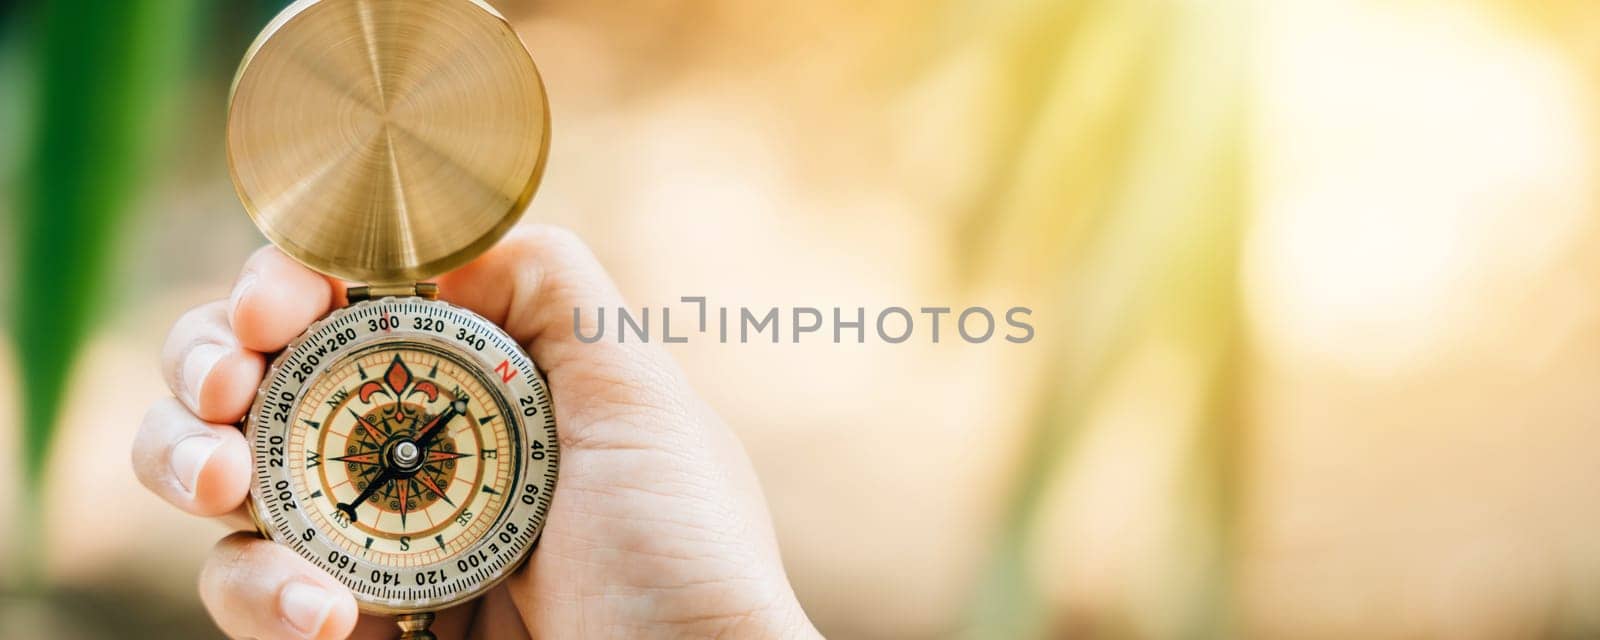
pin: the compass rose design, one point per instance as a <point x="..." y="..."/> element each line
<point x="401" y="458"/>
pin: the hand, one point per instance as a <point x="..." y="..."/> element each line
<point x="657" y="527"/>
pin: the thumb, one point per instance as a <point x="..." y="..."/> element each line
<point x="532" y="284"/>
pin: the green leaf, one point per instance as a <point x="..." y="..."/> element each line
<point x="104" y="74"/>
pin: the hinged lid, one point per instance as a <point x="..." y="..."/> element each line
<point x="387" y="141"/>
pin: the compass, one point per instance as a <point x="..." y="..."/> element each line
<point x="403" y="445"/>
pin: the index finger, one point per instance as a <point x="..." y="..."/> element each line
<point x="276" y="298"/>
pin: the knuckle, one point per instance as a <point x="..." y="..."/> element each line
<point x="205" y="316"/>
<point x="547" y="240"/>
<point x="207" y="322"/>
<point x="264" y="253"/>
<point x="139" y="455"/>
<point x="189" y="318"/>
<point x="182" y="330"/>
<point x="217" y="564"/>
<point x="232" y="562"/>
<point x="150" y="442"/>
<point x="227" y="582"/>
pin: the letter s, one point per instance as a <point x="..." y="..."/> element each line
<point x="1020" y="324"/>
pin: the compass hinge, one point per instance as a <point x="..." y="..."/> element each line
<point x="426" y="290"/>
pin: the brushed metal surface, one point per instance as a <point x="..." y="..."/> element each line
<point x="387" y="141"/>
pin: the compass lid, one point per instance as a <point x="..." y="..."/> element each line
<point x="387" y="141"/>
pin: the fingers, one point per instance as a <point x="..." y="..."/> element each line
<point x="213" y="357"/>
<point x="199" y="467"/>
<point x="276" y="298"/>
<point x="207" y="368"/>
<point x="258" y="589"/>
<point x="531" y="283"/>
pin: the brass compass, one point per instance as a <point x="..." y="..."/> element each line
<point x="402" y="444"/>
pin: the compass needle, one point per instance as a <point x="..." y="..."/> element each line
<point x="384" y="142"/>
<point x="349" y="508"/>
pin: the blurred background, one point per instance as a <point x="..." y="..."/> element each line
<point x="1318" y="339"/>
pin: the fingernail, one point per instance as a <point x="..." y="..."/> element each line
<point x="196" y="367"/>
<point x="189" y="456"/>
<point x="246" y="281"/>
<point x="304" y="607"/>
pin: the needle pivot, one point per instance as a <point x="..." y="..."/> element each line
<point x="406" y="456"/>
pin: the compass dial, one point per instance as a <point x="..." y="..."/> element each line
<point x="407" y="448"/>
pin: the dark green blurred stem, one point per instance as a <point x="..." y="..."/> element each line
<point x="104" y="77"/>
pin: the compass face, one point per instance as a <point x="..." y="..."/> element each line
<point x="407" y="448"/>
